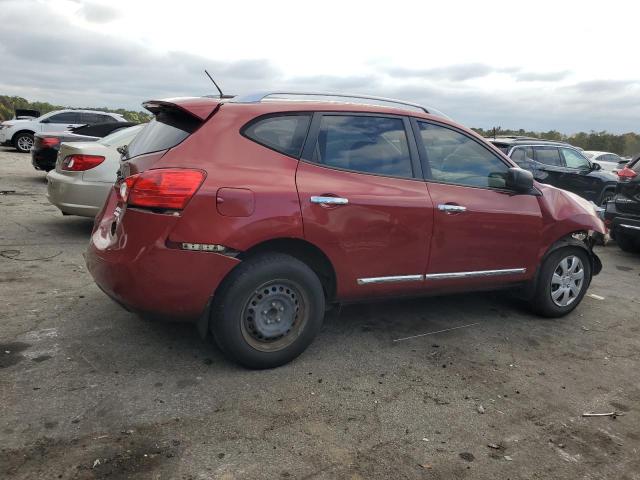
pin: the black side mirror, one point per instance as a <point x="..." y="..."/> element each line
<point x="596" y="166"/>
<point x="46" y="120"/>
<point x="519" y="180"/>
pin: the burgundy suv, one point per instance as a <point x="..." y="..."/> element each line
<point x="250" y="216"/>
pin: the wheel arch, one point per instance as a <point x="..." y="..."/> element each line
<point x="24" y="130"/>
<point x="304" y="251"/>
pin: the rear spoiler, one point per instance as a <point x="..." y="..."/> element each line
<point x="198" y="107"/>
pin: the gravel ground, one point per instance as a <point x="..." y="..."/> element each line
<point x="90" y="391"/>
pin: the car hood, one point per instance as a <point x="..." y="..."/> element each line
<point x="560" y="205"/>
<point x="11" y="123"/>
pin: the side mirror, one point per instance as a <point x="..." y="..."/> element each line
<point x="46" y="120"/>
<point x="596" y="166"/>
<point x="519" y="180"/>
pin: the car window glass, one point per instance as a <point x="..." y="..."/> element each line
<point x="456" y="158"/>
<point x="284" y="133"/>
<point x="96" y="118"/>
<point x="65" y="117"/>
<point x="121" y="136"/>
<point x="166" y="130"/>
<point x="548" y="156"/>
<point x="364" y="144"/>
<point x="573" y="159"/>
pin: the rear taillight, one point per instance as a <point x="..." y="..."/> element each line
<point x="165" y="188"/>
<point x="49" y="142"/>
<point x="626" y="174"/>
<point x="80" y="163"/>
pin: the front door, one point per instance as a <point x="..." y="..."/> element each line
<point x="61" y="122"/>
<point x="364" y="202"/>
<point x="483" y="234"/>
<point x="576" y="178"/>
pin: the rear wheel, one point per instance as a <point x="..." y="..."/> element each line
<point x="607" y="196"/>
<point x="23" y="142"/>
<point x="268" y="311"/>
<point x="562" y="283"/>
<point x="627" y="242"/>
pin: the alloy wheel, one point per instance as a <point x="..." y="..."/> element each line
<point x="567" y="281"/>
<point x="25" y="142"/>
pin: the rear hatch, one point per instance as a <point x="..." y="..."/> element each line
<point x="628" y="190"/>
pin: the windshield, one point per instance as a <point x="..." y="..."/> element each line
<point x="121" y="137"/>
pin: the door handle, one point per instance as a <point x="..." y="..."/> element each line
<point x="448" y="208"/>
<point x="325" y="200"/>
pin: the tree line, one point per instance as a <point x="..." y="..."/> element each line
<point x="625" y="144"/>
<point x="9" y="104"/>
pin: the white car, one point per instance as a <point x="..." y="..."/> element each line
<point x="19" y="133"/>
<point x="607" y="160"/>
<point x="86" y="171"/>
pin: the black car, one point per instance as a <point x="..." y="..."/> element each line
<point x="46" y="145"/>
<point x="622" y="215"/>
<point x="561" y="165"/>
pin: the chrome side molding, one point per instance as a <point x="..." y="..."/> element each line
<point x="629" y="226"/>
<point x="477" y="273"/>
<point x="440" y="276"/>
<point x="394" y="278"/>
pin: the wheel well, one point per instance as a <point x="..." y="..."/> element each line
<point x="305" y="252"/>
<point x="15" y="135"/>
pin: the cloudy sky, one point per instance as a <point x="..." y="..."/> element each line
<point x="540" y="65"/>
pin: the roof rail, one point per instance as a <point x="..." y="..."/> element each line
<point x="258" y="97"/>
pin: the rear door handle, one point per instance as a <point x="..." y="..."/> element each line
<point x="448" y="208"/>
<point x="324" y="200"/>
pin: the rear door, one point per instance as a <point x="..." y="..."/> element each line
<point x="550" y="167"/>
<point x="483" y="233"/>
<point x="364" y="202"/>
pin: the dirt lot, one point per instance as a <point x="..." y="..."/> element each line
<point x="90" y="391"/>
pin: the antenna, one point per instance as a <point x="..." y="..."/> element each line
<point x="222" y="95"/>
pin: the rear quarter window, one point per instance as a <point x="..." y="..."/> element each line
<point x="282" y="133"/>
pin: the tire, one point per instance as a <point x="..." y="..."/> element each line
<point x="627" y="243"/>
<point x="267" y="311"/>
<point x="549" y="300"/>
<point x="23" y="142"/>
<point x="606" y="197"/>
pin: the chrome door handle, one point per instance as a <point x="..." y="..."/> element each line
<point x="329" y="200"/>
<point x="444" y="207"/>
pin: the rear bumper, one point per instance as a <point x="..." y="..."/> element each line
<point x="74" y="196"/>
<point x="130" y="261"/>
<point x="44" y="159"/>
<point x="623" y="222"/>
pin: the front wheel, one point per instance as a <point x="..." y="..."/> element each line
<point x="268" y="311"/>
<point x="564" y="278"/>
<point x="23" y="142"/>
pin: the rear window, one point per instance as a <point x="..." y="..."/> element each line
<point x="283" y="133"/>
<point x="167" y="129"/>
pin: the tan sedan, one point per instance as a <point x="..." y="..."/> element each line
<point x="85" y="172"/>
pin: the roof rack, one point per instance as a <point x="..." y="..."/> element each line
<point x="258" y="97"/>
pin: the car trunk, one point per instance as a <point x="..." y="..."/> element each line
<point x="628" y="192"/>
<point x="80" y="148"/>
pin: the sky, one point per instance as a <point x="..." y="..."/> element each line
<point x="569" y="66"/>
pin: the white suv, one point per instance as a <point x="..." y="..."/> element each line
<point x="19" y="133"/>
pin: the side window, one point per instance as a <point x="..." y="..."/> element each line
<point x="523" y="156"/>
<point x="548" y="156"/>
<point x="283" y="133"/>
<point x="96" y="118"/>
<point x="456" y="158"/>
<point x="573" y="159"/>
<point x="364" y="144"/>
<point x="66" y="117"/>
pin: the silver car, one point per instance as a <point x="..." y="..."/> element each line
<point x="85" y="172"/>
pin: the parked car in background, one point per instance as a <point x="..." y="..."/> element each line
<point x="608" y="161"/>
<point x="86" y="171"/>
<point x="46" y="145"/>
<point x="25" y="114"/>
<point x="622" y="215"/>
<point x="19" y="133"/>
<point x="250" y="216"/>
<point x="561" y="165"/>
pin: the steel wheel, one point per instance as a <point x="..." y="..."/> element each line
<point x="567" y="281"/>
<point x="274" y="315"/>
<point x="24" y="143"/>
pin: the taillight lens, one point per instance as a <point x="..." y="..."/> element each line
<point x="166" y="188"/>
<point x="626" y="174"/>
<point x="49" y="142"/>
<point x="80" y="163"/>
